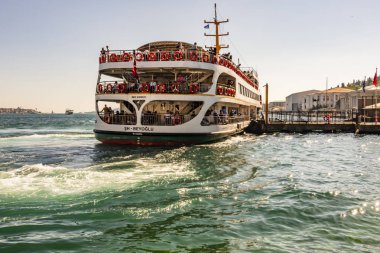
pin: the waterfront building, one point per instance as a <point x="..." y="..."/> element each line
<point x="294" y="101"/>
<point x="327" y="99"/>
<point x="277" y="106"/>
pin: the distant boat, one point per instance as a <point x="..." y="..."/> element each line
<point x="69" y="111"/>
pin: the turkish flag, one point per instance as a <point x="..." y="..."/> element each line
<point x="375" y="78"/>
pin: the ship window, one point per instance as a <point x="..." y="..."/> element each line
<point x="170" y="113"/>
<point x="116" y="112"/>
<point x="222" y="113"/>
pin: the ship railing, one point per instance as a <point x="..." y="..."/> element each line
<point x="223" y="119"/>
<point x="184" y="55"/>
<point x="118" y="119"/>
<point x="151" y="56"/>
<point x="110" y="87"/>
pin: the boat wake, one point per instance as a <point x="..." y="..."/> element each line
<point x="39" y="181"/>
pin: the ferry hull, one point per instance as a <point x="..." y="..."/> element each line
<point x="157" y="139"/>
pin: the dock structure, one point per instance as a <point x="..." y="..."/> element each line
<point x="322" y="121"/>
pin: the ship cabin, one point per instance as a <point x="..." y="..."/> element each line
<point x="171" y="83"/>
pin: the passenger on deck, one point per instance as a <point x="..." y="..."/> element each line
<point x="167" y="117"/>
<point x="146" y="53"/>
<point x="115" y="87"/>
<point x="194" y="46"/>
<point x="153" y="85"/>
<point x="103" y="52"/>
<point x="107" y="53"/>
<point x="177" y="118"/>
<point x="216" y="117"/>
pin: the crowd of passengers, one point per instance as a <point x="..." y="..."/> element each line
<point x="168" y="119"/>
<point x="153" y="87"/>
<point x="118" y="117"/>
<point x="180" y="48"/>
<point x="223" y="117"/>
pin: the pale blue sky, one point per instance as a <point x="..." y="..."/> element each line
<point x="49" y="57"/>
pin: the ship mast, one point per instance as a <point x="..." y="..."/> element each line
<point x="217" y="22"/>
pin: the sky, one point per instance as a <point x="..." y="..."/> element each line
<point x="50" y="48"/>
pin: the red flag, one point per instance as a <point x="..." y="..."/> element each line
<point x="375" y="78"/>
<point x="134" y="70"/>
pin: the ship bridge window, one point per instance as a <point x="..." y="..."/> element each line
<point x="116" y="112"/>
<point x="169" y="113"/>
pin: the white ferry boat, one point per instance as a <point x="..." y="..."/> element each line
<point x="172" y="92"/>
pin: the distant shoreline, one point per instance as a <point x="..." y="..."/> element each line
<point x="18" y="111"/>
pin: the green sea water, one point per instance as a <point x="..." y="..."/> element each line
<point x="63" y="191"/>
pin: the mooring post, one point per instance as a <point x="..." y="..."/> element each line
<point x="266" y="104"/>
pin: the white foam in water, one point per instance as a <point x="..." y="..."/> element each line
<point x="42" y="180"/>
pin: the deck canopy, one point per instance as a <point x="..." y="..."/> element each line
<point x="166" y="46"/>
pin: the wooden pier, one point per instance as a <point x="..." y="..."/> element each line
<point x="323" y="122"/>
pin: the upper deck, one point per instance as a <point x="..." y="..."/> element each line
<point x="170" y="53"/>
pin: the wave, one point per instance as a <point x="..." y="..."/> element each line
<point x="40" y="180"/>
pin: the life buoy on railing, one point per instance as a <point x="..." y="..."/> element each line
<point x="144" y="87"/>
<point x="164" y="56"/>
<point x="194" y="88"/>
<point x="178" y="55"/>
<point x="221" y="61"/>
<point x="126" y="57"/>
<point x="113" y="58"/>
<point x="152" y="56"/>
<point x="219" y="90"/>
<point x="120" y="88"/>
<point x="161" y="88"/>
<point x="109" y="87"/>
<point x="104" y="59"/>
<point x="214" y="60"/>
<point x="227" y="92"/>
<point x="193" y="56"/>
<point x="100" y="88"/>
<point x="175" y="88"/>
<point x="139" y="57"/>
<point x="205" y="57"/>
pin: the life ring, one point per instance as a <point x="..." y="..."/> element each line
<point x="109" y="87"/>
<point x="152" y="56"/>
<point x="164" y="56"/>
<point x="100" y="88"/>
<point x="161" y="88"/>
<point x="120" y="88"/>
<point x="221" y="61"/>
<point x="126" y="57"/>
<point x="214" y="59"/>
<point x="144" y="87"/>
<point x="139" y="57"/>
<point x="193" y="56"/>
<point x="175" y="87"/>
<point x="205" y="58"/>
<point x="220" y="90"/>
<point x="194" y="88"/>
<point x="114" y="58"/>
<point x="178" y="55"/>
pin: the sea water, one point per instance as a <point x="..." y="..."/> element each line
<point x="63" y="191"/>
